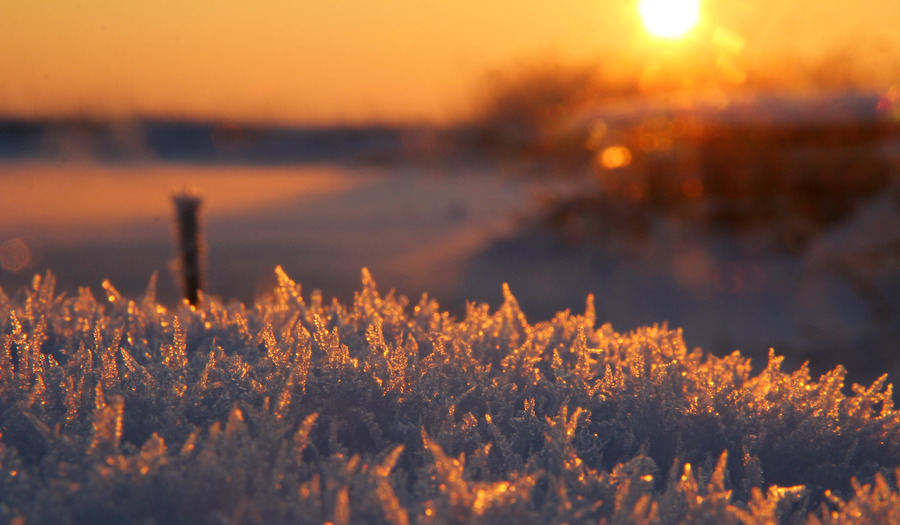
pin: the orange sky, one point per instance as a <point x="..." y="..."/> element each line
<point x="350" y="60"/>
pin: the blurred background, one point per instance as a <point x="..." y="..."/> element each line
<point x="730" y="168"/>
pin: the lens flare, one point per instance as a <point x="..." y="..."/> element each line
<point x="15" y="255"/>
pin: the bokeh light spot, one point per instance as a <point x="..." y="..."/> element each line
<point x="615" y="157"/>
<point x="692" y="188"/>
<point x="728" y="41"/>
<point x="597" y="135"/>
<point x="15" y="255"/>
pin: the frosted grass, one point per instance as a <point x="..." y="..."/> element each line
<point x="301" y="410"/>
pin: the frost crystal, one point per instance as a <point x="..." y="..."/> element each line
<point x="298" y="410"/>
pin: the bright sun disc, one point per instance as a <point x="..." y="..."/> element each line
<point x="669" y="18"/>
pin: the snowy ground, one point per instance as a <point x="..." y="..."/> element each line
<point x="458" y="234"/>
<point x="412" y="227"/>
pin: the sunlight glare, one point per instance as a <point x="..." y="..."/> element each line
<point x="669" y="18"/>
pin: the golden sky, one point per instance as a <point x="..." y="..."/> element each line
<point x="353" y="60"/>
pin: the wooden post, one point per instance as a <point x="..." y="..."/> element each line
<point x="189" y="245"/>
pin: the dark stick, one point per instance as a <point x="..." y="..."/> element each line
<point x="189" y="246"/>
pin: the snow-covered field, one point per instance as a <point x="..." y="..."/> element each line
<point x="457" y="233"/>
<point x="410" y="226"/>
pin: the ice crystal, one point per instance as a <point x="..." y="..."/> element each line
<point x="299" y="410"/>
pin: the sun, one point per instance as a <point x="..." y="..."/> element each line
<point x="669" y="18"/>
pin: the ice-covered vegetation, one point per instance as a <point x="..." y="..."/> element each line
<point x="300" y="410"/>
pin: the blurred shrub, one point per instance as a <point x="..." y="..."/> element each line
<point x="297" y="410"/>
<point x="537" y="109"/>
<point x="532" y="110"/>
<point x="795" y="158"/>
